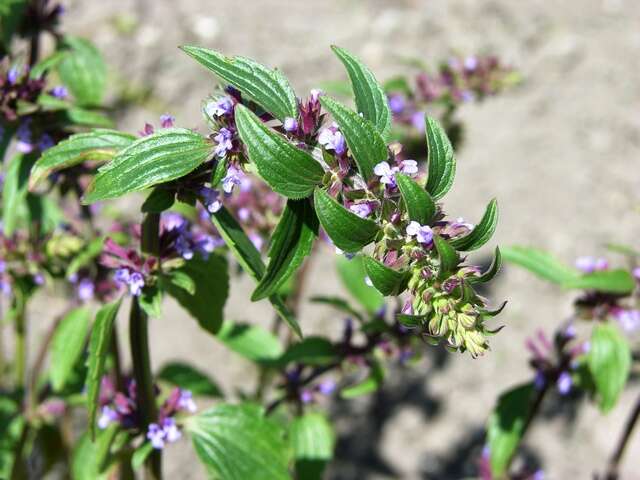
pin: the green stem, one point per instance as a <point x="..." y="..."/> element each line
<point x="614" y="463"/>
<point x="139" y="340"/>
<point x="20" y="329"/>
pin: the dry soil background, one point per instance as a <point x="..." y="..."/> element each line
<point x="560" y="153"/>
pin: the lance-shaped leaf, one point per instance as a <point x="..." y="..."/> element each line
<point x="189" y="378"/>
<point x="251" y="341"/>
<point x="67" y="345"/>
<point x="98" y="145"/>
<point x="370" y="98"/>
<point x="449" y="258"/>
<point x="609" y="361"/>
<point x="440" y="158"/>
<point x="238" y="442"/>
<point x="158" y="158"/>
<point x="83" y="71"/>
<point x="288" y="170"/>
<point x="491" y="271"/>
<point x="14" y="191"/>
<point x="482" y="232"/>
<point x="313" y="440"/>
<point x="249" y="259"/>
<point x="386" y="280"/>
<point x="317" y="351"/>
<point x="347" y="230"/>
<point x="506" y="426"/>
<point x="541" y="263"/>
<point x="211" y="281"/>
<point x="268" y="88"/>
<point x="608" y="281"/>
<point x="371" y="383"/>
<point x="353" y="276"/>
<point x="98" y="350"/>
<point x="291" y="242"/>
<point x="420" y="206"/>
<point x="365" y="143"/>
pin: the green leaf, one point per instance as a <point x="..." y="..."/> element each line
<point x="84" y="460"/>
<point x="310" y="351"/>
<point x="181" y="280"/>
<point x="288" y="170"/>
<point x="159" y="200"/>
<point x="385" y="279"/>
<point x="608" y="281"/>
<point x="411" y="321"/>
<point x="313" y="441"/>
<point x="371" y="100"/>
<point x="420" y="206"/>
<point x="189" y="378"/>
<point x="268" y="88"/>
<point x="11" y="17"/>
<point x="83" y="71"/>
<point x="365" y="143"/>
<point x="249" y="259"/>
<point x="540" y="263"/>
<point x="347" y="230"/>
<point x="140" y="455"/>
<point x="92" y="250"/>
<point x="67" y="346"/>
<point x="98" y="145"/>
<point x="46" y="64"/>
<point x="98" y="349"/>
<point x="482" y="232"/>
<point x="89" y="118"/>
<point x="491" y="271"/>
<point x="5" y="140"/>
<point x="250" y="341"/>
<point x="609" y="360"/>
<point x="151" y="301"/>
<point x="352" y="273"/>
<point x="237" y="442"/>
<point x="164" y="156"/>
<point x="14" y="191"/>
<point x="371" y="383"/>
<point x="449" y="258"/>
<point x="338" y="303"/>
<point x="211" y="282"/>
<point x="506" y="426"/>
<point x="291" y="242"/>
<point x="440" y="158"/>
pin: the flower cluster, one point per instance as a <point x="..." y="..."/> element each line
<point x="122" y="408"/>
<point x="456" y="81"/>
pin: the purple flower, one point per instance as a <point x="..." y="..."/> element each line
<point x="540" y="380"/>
<point x="233" y="177"/>
<point x="24" y="136"/>
<point x="467" y="96"/>
<point x="332" y="139"/>
<point x="59" y="91"/>
<point x="290" y="124"/>
<point x="315" y="94"/>
<point x="386" y="173"/>
<point x="170" y="429"/>
<point x="471" y="63"/>
<point x="564" y="383"/>
<point x="423" y="233"/>
<point x="156" y="436"/>
<point x="306" y="396"/>
<point x="205" y="244"/>
<point x="407" y="308"/>
<point x="257" y="240"/>
<point x="38" y="279"/>
<point x="5" y="287"/>
<point x="409" y="167"/>
<point x="183" y="247"/>
<point x="167" y="121"/>
<point x="134" y="280"/>
<point x="12" y="76"/>
<point x="327" y="387"/>
<point x="629" y="319"/>
<point x="147" y="130"/>
<point x="107" y="416"/>
<point x="211" y="199"/>
<point x="85" y="289"/>
<point x="397" y="103"/>
<point x="363" y="210"/>
<point x="3" y="266"/>
<point x="185" y="402"/>
<point x="417" y="120"/>
<point x="591" y="264"/>
<point x="636" y="273"/>
<point x="173" y="221"/>
<point x="224" y="142"/>
<point x="45" y="142"/>
<point x="219" y="108"/>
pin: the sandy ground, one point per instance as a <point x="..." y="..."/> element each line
<point x="559" y="153"/>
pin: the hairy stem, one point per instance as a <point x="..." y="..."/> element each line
<point x="139" y="340"/>
<point x="614" y="463"/>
